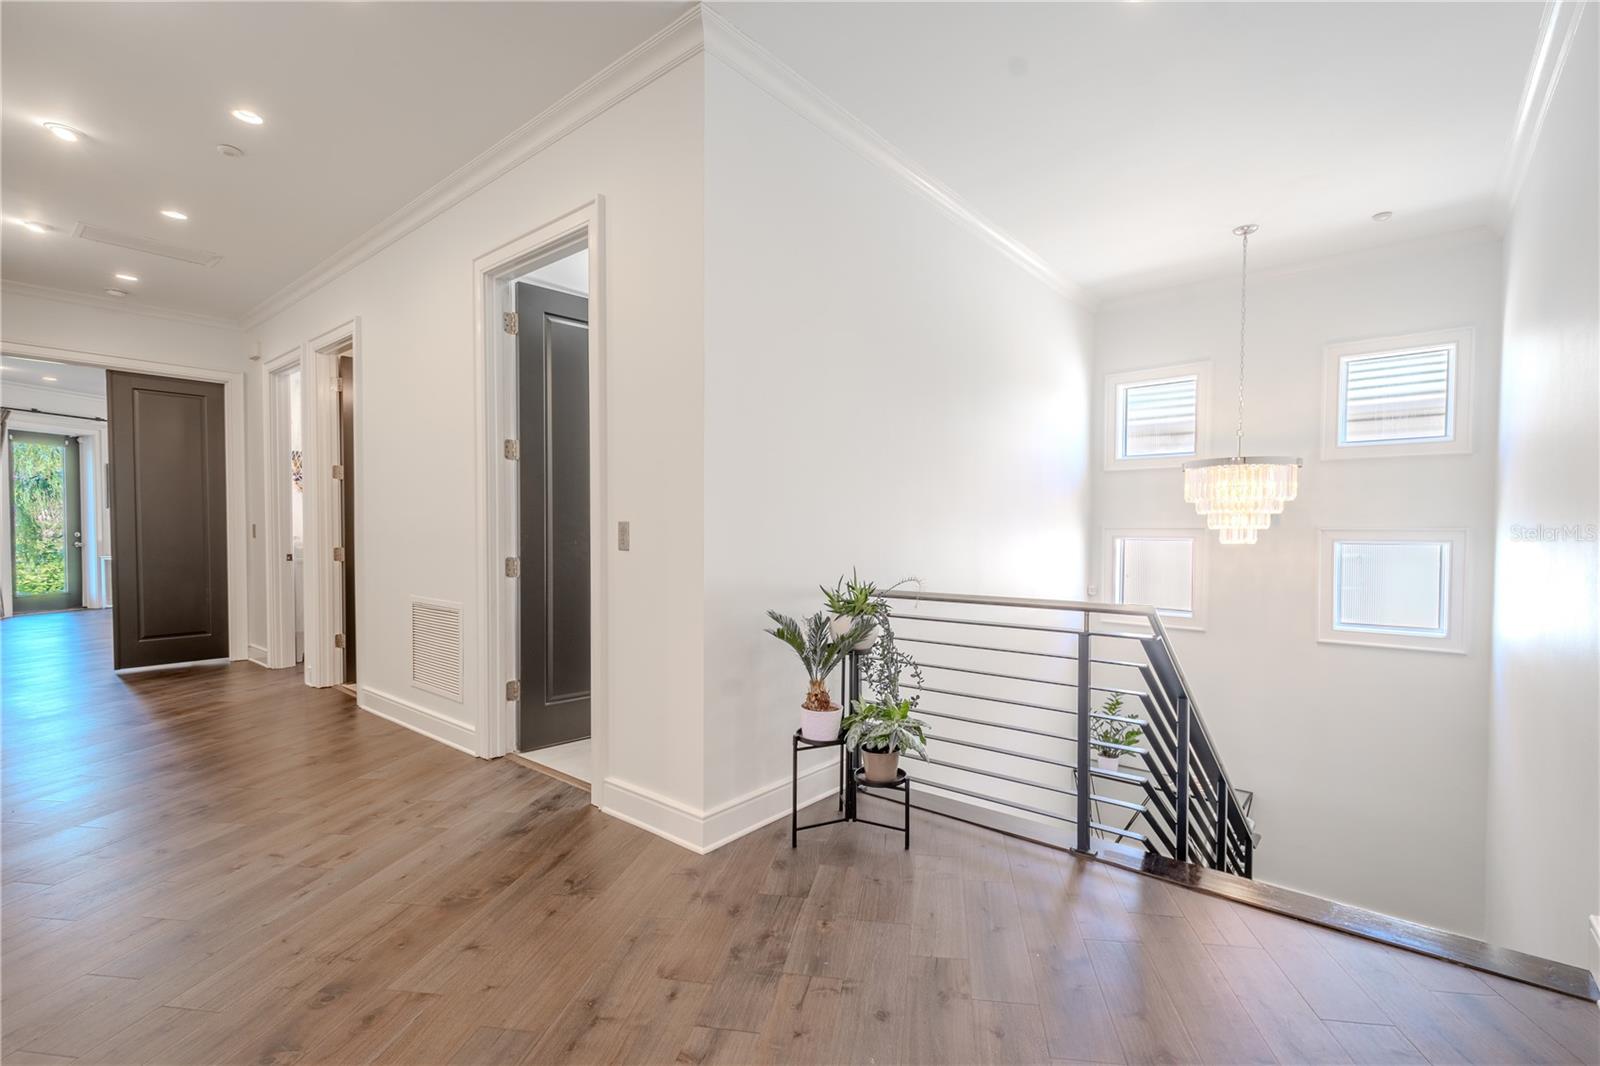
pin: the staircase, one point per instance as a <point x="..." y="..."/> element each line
<point x="1014" y="689"/>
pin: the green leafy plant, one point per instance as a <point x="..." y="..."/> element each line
<point x="813" y="640"/>
<point x="852" y="598"/>
<point x="1106" y="731"/>
<point x="885" y="726"/>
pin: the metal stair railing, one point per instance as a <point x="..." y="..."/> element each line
<point x="1011" y="687"/>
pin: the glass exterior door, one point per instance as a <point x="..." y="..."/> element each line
<point x="46" y="526"/>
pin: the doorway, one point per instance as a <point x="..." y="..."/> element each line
<point x="285" y="512"/>
<point x="552" y="373"/>
<point x="46" y="522"/>
<point x="345" y="550"/>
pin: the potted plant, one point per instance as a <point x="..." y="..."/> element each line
<point x="820" y="650"/>
<point x="1108" y="731"/>
<point x="851" y="601"/>
<point x="881" y="729"/>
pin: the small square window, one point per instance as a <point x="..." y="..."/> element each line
<point x="1396" y="590"/>
<point x="1158" y="568"/>
<point x="1398" y="396"/>
<point x="1155" y="417"/>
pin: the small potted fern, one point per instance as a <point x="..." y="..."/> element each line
<point x="881" y="729"/>
<point x="819" y="650"/>
<point x="1109" y="731"/>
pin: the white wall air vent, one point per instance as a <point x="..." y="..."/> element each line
<point x="436" y="647"/>
<point x="102" y="235"/>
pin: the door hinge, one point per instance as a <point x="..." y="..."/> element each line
<point x="513" y="691"/>
<point x="338" y="640"/>
<point x="513" y="566"/>
<point x="509" y="320"/>
<point x="338" y="471"/>
<point x="338" y="554"/>
<point x="513" y="449"/>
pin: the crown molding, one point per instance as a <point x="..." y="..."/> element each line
<point x="110" y="303"/>
<point x="676" y="42"/>
<point x="733" y="47"/>
<point x="1557" y="28"/>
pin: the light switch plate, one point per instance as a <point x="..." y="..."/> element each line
<point x="624" y="537"/>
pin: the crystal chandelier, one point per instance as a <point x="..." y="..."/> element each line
<point x="1239" y="496"/>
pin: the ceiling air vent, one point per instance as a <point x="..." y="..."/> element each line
<point x="102" y="235"/>
<point x="436" y="647"/>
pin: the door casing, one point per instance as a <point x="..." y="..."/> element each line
<point x="496" y="358"/>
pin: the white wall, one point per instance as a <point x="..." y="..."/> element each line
<point x="1367" y="762"/>
<point x="418" y="532"/>
<point x="1543" y="840"/>
<point x="884" y="390"/>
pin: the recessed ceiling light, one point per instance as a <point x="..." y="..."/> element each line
<point x="47" y="377"/>
<point x="33" y="227"/>
<point x="248" y="117"/>
<point x="116" y="292"/>
<point x="1383" y="216"/>
<point x="126" y="277"/>
<point x="62" y="131"/>
<point x="176" y="216"/>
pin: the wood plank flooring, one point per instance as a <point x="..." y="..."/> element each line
<point x="220" y="865"/>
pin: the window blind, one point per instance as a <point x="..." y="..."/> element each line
<point x="1402" y="396"/>
<point x="1158" y="418"/>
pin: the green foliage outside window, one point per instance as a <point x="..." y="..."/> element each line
<point x="39" y="501"/>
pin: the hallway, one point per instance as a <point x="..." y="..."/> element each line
<point x="221" y="865"/>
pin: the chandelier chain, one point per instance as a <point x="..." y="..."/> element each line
<point x="1244" y="266"/>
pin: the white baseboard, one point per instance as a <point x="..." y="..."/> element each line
<point x="258" y="655"/>
<point x="418" y="719"/>
<point x="705" y="831"/>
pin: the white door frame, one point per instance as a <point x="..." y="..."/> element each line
<point x="92" y="500"/>
<point x="279" y="585"/>
<point x="495" y="366"/>
<point x="324" y="578"/>
<point x="232" y="382"/>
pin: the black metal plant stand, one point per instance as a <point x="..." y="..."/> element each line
<point x="852" y="777"/>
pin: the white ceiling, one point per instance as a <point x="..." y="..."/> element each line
<point x="1122" y="142"/>
<point x="367" y="106"/>
<point x="41" y="374"/>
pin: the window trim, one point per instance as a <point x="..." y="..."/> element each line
<point x="1195" y="620"/>
<point x="1456" y="640"/>
<point x="1459" y="398"/>
<point x="1111" y="438"/>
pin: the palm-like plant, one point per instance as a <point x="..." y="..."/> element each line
<point x="819" y="650"/>
<point x="886" y="726"/>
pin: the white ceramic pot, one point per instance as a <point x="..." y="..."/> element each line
<point x="1108" y="762"/>
<point x="821" y="726"/>
<point x="841" y="625"/>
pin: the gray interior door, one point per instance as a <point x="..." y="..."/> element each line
<point x="347" y="505"/>
<point x="169" y="521"/>
<point x="553" y="412"/>
<point x="46" y="523"/>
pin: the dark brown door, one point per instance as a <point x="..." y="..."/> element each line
<point x="169" y="520"/>
<point x="553" y="412"/>
<point x="347" y="505"/>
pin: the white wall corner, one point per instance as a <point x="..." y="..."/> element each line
<point x="753" y="62"/>
<point x="1557" y="29"/>
<point x="703" y="831"/>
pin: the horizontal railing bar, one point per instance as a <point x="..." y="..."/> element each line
<point x="1124" y="804"/>
<point x="991" y="799"/>
<point x="985" y="622"/>
<point x="1003" y="751"/>
<point x="1025" y="703"/>
<point x="1128" y="663"/>
<point x="1012" y="601"/>
<point x="996" y="725"/>
<point x="992" y="673"/>
<point x="1005" y="725"/>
